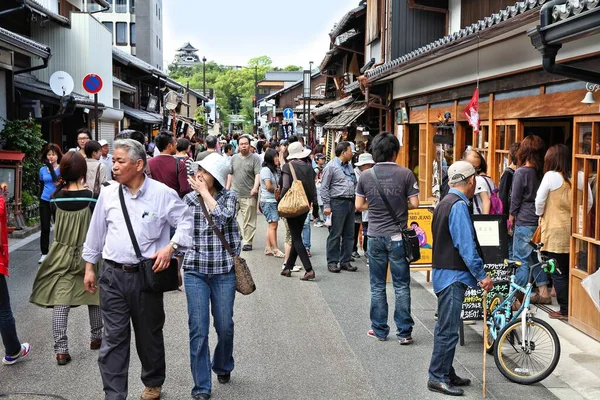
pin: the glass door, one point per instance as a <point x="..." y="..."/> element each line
<point x="506" y="132"/>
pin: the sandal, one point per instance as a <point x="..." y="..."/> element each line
<point x="278" y="254"/>
<point x="537" y="299"/>
<point x="268" y="252"/>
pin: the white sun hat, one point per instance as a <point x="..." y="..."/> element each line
<point x="363" y="159"/>
<point x="297" y="151"/>
<point x="216" y="165"/>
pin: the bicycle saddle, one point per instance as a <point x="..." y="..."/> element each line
<point x="512" y="263"/>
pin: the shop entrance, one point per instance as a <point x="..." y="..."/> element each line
<point x="552" y="131"/>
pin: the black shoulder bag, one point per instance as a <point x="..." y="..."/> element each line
<point x="158" y="282"/>
<point x="409" y="236"/>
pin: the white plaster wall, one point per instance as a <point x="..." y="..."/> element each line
<point x="455" y="8"/>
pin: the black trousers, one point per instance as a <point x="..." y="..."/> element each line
<point x="45" y="217"/>
<point x="561" y="281"/>
<point x="298" y="250"/>
<point x="356" y="232"/>
<point x="122" y="302"/>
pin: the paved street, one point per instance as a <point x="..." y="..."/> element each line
<point x="294" y="340"/>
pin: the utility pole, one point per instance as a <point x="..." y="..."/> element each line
<point x="309" y="136"/>
<point x="255" y="105"/>
<point x="204" y="92"/>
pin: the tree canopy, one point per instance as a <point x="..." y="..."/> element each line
<point x="233" y="85"/>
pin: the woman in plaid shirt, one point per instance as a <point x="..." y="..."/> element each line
<point x="209" y="274"/>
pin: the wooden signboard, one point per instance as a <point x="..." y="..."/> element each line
<point x="492" y="234"/>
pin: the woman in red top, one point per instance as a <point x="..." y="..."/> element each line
<point x="13" y="348"/>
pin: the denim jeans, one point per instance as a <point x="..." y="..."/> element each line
<point x="218" y="291"/>
<point x="446" y="332"/>
<point x="8" y="330"/>
<point x="523" y="252"/>
<point x="381" y="251"/>
<point x="306" y="232"/>
<point x="341" y="232"/>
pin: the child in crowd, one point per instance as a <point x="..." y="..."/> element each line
<point x="320" y="161"/>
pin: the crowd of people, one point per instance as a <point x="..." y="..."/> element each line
<point x="180" y="199"/>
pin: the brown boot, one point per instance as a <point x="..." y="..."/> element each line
<point x="151" y="393"/>
<point x="63" y="359"/>
<point x="95" y="344"/>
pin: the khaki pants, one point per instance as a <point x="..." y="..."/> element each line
<point x="248" y="207"/>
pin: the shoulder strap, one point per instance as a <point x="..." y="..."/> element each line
<point x="136" y="247"/>
<point x="292" y="170"/>
<point x="385" y="199"/>
<point x="67" y="199"/>
<point x="214" y="227"/>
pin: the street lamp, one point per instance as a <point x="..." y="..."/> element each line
<point x="309" y="137"/>
<point x="204" y="76"/>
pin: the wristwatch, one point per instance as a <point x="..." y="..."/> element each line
<point x="174" y="245"/>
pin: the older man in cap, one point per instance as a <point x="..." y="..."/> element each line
<point x="457" y="264"/>
<point x="106" y="159"/>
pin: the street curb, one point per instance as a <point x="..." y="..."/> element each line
<point x="25" y="232"/>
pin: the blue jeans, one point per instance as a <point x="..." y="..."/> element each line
<point x="306" y="232"/>
<point x="523" y="252"/>
<point x="381" y="251"/>
<point x="8" y="330"/>
<point x="218" y="291"/>
<point x="341" y="232"/>
<point x="446" y="332"/>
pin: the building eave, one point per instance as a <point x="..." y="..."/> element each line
<point x="24" y="44"/>
<point x="44" y="12"/>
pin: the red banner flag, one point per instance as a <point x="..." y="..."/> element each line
<point x="472" y="111"/>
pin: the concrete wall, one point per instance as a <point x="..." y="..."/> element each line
<point x="85" y="48"/>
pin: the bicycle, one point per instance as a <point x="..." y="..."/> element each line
<point x="526" y="349"/>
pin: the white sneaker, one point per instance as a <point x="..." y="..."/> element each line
<point x="295" y="269"/>
<point x="42" y="258"/>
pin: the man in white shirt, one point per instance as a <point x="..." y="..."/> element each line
<point x="106" y="159"/>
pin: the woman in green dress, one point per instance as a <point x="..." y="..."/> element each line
<point x="59" y="281"/>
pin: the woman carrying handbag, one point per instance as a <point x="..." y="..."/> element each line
<point x="209" y="273"/>
<point x="298" y="168"/>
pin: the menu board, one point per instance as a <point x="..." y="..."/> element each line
<point x="420" y="219"/>
<point x="492" y="235"/>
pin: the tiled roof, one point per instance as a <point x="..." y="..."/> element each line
<point x="287" y="89"/>
<point x="478" y="27"/>
<point x="29" y="83"/>
<point x="136" y="62"/>
<point x="285" y="76"/>
<point x="187" y="47"/>
<point x="344" y="23"/>
<point x="351" y="87"/>
<point x="572" y="7"/>
<point x="124" y="85"/>
<point x="333" y="107"/>
<point x="336" y="50"/>
<point x="24" y="43"/>
<point x="348" y="116"/>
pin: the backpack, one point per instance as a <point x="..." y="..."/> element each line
<point x="496" y="206"/>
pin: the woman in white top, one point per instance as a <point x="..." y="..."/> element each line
<point x="553" y="206"/>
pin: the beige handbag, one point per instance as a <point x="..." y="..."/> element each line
<point x="294" y="202"/>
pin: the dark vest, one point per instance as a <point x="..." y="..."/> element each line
<point x="445" y="255"/>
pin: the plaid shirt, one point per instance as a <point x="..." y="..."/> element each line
<point x="207" y="255"/>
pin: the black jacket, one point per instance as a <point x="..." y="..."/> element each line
<point x="305" y="174"/>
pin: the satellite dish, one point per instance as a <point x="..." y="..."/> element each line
<point x="61" y="83"/>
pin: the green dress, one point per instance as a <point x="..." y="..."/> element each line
<point x="59" y="280"/>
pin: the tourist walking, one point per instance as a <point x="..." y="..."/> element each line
<point x="300" y="162"/>
<point x="457" y="264"/>
<point x="83" y="136"/>
<point x="106" y="159"/>
<point x="153" y="209"/>
<point x="245" y="182"/>
<point x="13" y="348"/>
<point x="209" y="274"/>
<point x="48" y="176"/>
<point x="319" y="162"/>
<point x="183" y="154"/>
<point x="167" y="169"/>
<point x="523" y="219"/>
<point x="59" y="280"/>
<point x="211" y="147"/>
<point x="337" y="191"/>
<point x="96" y="173"/>
<point x="269" y="190"/>
<point x="400" y="187"/>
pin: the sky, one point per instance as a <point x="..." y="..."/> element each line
<point x="231" y="32"/>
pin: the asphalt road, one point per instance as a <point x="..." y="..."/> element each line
<point x="294" y="340"/>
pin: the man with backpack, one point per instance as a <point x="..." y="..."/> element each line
<point x="167" y="169"/>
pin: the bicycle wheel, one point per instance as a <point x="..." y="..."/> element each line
<point x="493" y="330"/>
<point x="532" y="364"/>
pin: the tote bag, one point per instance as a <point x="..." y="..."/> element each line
<point x="294" y="202"/>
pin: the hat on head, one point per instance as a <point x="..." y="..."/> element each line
<point x="297" y="151"/>
<point x="253" y="143"/>
<point x="318" y="156"/>
<point x="353" y="147"/>
<point x="216" y="165"/>
<point x="102" y="142"/>
<point x="459" y="171"/>
<point x="364" y="159"/>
